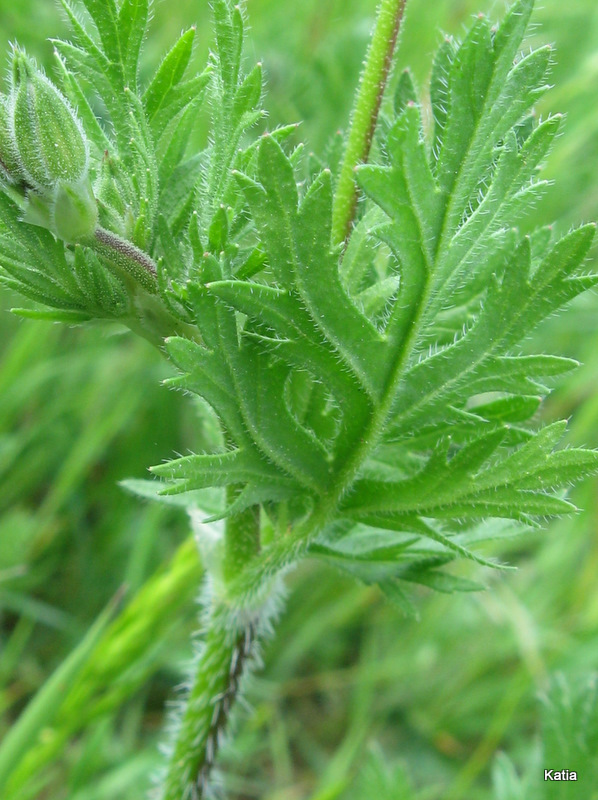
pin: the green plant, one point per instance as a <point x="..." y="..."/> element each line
<point x="569" y="731"/>
<point x="569" y="735"/>
<point x="360" y="361"/>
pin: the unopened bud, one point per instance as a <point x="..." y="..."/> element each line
<point x="74" y="211"/>
<point x="69" y="210"/>
<point x="49" y="140"/>
<point x="10" y="168"/>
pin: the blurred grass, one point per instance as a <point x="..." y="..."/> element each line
<point x="81" y="410"/>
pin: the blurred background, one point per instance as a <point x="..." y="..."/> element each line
<point x="348" y="682"/>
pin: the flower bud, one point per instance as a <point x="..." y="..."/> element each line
<point x="10" y="169"/>
<point x="74" y="211"/>
<point x="70" y="210"/>
<point x="49" y="139"/>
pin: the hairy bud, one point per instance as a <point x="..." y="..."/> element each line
<point x="74" y="211"/>
<point x="42" y="143"/>
<point x="10" y="168"/>
<point x="49" y="140"/>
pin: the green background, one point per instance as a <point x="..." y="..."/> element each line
<point x="81" y="409"/>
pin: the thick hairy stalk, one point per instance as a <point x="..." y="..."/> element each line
<point x="365" y="113"/>
<point x="229" y="652"/>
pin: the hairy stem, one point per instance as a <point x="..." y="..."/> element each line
<point x="230" y="649"/>
<point x="365" y="113"/>
<point x="215" y="687"/>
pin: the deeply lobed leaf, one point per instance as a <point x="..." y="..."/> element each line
<point x="378" y="384"/>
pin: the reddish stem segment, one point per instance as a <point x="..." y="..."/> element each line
<point x="365" y="113"/>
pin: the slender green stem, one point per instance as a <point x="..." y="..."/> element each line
<point x="241" y="537"/>
<point x="365" y="113"/>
